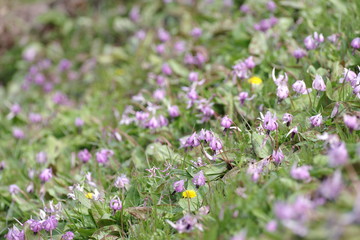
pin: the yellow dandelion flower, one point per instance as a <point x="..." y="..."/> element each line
<point x="255" y="80"/>
<point x="119" y="71"/>
<point x="89" y="195"/>
<point x="189" y="194"/>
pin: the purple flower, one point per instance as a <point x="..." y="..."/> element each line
<point x="142" y="116"/>
<point x="159" y="94"/>
<point x="287" y="119"/>
<point x="215" y="144"/>
<point x="335" y="110"/>
<point x="319" y="37"/>
<point x="282" y="91"/>
<point x="226" y="122"/>
<point x="68" y="236"/>
<point x="208" y="137"/>
<point x="355" y="43"/>
<point x="160" y="49"/>
<point x="174" y="111"/>
<point x="35" y="226"/>
<point x="337" y="155"/>
<point x="60" y="99"/>
<point x="189" y="59"/>
<point x="193" y="76"/>
<point x="265" y="24"/>
<point x="39" y="79"/>
<point x="41" y="157"/>
<point x="299" y="53"/>
<point x="192" y="94"/>
<point x="301" y="173"/>
<point x="241" y="70"/>
<point x="316" y="120"/>
<point x="153" y="123"/>
<point x="228" y="3"/>
<point x="196" y="32"/>
<point x="332" y="186"/>
<point x="273" y="21"/>
<point x="2" y="165"/>
<point x="116" y="204"/>
<point x="84" y="156"/>
<point x="163" y="122"/>
<point x="243" y="96"/>
<point x="333" y="38"/>
<point x="270" y="122"/>
<point x="166" y="69"/>
<point x="271" y="226"/>
<point x="50" y="224"/>
<point x="35" y="117"/>
<point x="46" y="175"/>
<point x="15" y="234"/>
<point x="199" y="179"/>
<point x="278" y="156"/>
<point x="200" y="59"/>
<point x="179" y="186"/>
<point x="193" y="140"/>
<point x="64" y="65"/>
<point x="239" y="236"/>
<point x="207" y="112"/>
<point x="201" y="135"/>
<point x="135" y="14"/>
<point x="79" y="122"/>
<point x="141" y="34"/>
<point x="186" y="224"/>
<point x="30" y="53"/>
<point x="103" y="156"/>
<point x="352" y="122"/>
<point x="281" y="79"/>
<point x="30" y="188"/>
<point x="300" y="87"/>
<point x="249" y="62"/>
<point x="255" y="170"/>
<point x="356" y="90"/>
<point x="48" y="87"/>
<point x="121" y="182"/>
<point x="15" y="109"/>
<point x="18" y="133"/>
<point x="310" y="43"/>
<point x="180" y="46"/>
<point x="204" y="210"/>
<point x="319" y="84"/>
<point x="163" y="35"/>
<point x="349" y="76"/>
<point x="160" y="80"/>
<point x="271" y="6"/>
<point x="245" y="8"/>
<point x="295" y="215"/>
<point x="14" y="189"/>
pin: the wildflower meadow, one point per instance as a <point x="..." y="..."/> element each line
<point x="179" y="119"/>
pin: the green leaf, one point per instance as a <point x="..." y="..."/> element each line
<point x="310" y="135"/>
<point x="258" y="45"/>
<point x="132" y="198"/>
<point x="82" y="199"/>
<point x="178" y="68"/>
<point x="287" y="182"/>
<point x="138" y="158"/>
<point x="261" y="148"/>
<point x="160" y="152"/>
<point x="215" y="171"/>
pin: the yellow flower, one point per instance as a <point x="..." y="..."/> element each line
<point x="119" y="71"/>
<point x="189" y="194"/>
<point x="89" y="195"/>
<point x="255" y="80"/>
